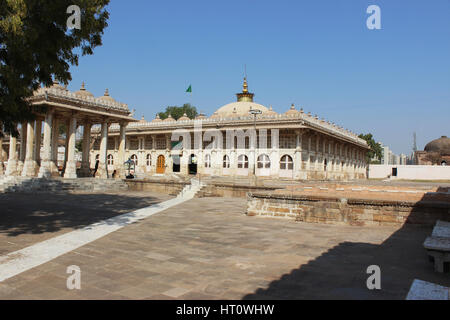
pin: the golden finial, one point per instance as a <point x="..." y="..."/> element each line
<point x="245" y="96"/>
<point x="82" y="86"/>
<point x="106" y="93"/>
<point x="245" y="90"/>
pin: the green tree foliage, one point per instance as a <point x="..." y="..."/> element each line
<point x="79" y="145"/>
<point x="178" y="112"/>
<point x="36" y="46"/>
<point x="375" y="147"/>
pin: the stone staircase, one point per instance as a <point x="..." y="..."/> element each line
<point x="58" y="185"/>
<point x="191" y="190"/>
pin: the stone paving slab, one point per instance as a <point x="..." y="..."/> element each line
<point x="26" y="219"/>
<point x="209" y="249"/>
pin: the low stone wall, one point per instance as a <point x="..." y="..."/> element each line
<point x="342" y="211"/>
<point x="60" y="185"/>
<point x="168" y="187"/>
<point x="230" y="190"/>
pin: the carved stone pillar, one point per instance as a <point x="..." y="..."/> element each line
<point x="11" y="169"/>
<point x="71" y="165"/>
<point x="23" y="144"/>
<point x="122" y="138"/>
<point x="66" y="147"/>
<point x="298" y="156"/>
<point x="102" y="171"/>
<point x="37" y="143"/>
<point x="85" y="163"/>
<point x="29" y="166"/>
<point x="141" y="156"/>
<point x="308" y="165"/>
<point x="54" y="160"/>
<point x="45" y="169"/>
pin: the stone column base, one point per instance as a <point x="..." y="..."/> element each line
<point x="101" y="171"/>
<point x="45" y="169"/>
<point x="29" y="168"/>
<point x="71" y="170"/>
<point x="11" y="168"/>
<point x="20" y="167"/>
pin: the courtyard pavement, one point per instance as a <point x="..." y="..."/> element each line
<point x="206" y="249"/>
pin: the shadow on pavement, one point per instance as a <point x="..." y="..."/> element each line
<point x="41" y="213"/>
<point x="340" y="273"/>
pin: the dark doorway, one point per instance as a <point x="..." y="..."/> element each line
<point x="176" y="164"/>
<point x="193" y="164"/>
<point x="394" y="172"/>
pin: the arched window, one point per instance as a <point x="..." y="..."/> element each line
<point x="263" y="161"/>
<point x="226" y="162"/>
<point x="110" y="160"/>
<point x="134" y="158"/>
<point x="286" y="163"/>
<point x="149" y="160"/>
<point x="207" y="161"/>
<point x="243" y="162"/>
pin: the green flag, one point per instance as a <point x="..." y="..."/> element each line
<point x="189" y="89"/>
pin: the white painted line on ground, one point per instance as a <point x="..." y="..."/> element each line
<point x="20" y="261"/>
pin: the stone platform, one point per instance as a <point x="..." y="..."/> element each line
<point x="55" y="185"/>
<point x="354" y="204"/>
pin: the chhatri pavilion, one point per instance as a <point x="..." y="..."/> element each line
<point x="35" y="152"/>
<point x="289" y="145"/>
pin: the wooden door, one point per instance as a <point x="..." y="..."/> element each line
<point x="161" y="165"/>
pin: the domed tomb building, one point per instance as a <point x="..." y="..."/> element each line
<point x="289" y="145"/>
<point x="436" y="152"/>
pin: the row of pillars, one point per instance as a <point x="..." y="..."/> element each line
<point x="28" y="162"/>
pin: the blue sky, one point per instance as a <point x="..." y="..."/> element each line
<point x="317" y="54"/>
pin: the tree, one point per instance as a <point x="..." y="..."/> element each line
<point x="37" y="46"/>
<point x="79" y="145"/>
<point x="375" y="147"/>
<point x="178" y="112"/>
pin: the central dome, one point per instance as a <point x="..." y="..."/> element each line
<point x="441" y="145"/>
<point x="242" y="107"/>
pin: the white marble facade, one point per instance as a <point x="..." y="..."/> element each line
<point x="296" y="145"/>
